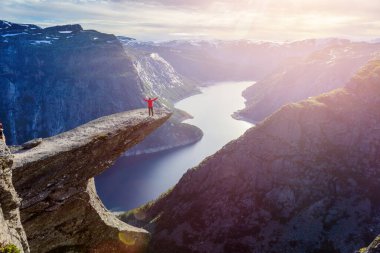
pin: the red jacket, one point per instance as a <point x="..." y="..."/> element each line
<point x="150" y="101"/>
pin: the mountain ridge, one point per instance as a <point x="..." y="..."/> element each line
<point x="236" y="60"/>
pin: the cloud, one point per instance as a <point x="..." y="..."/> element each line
<point x="224" y="19"/>
<point x="172" y="3"/>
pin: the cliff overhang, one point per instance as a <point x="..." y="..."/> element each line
<point x="60" y="209"/>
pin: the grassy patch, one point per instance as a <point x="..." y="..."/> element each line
<point x="145" y="214"/>
<point x="9" y="248"/>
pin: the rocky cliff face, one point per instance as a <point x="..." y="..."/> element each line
<point x="159" y="77"/>
<point x="60" y="210"/>
<point x="11" y="230"/>
<point x="304" y="180"/>
<point x="56" y="78"/>
<point x="297" y="79"/>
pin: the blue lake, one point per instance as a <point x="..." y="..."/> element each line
<point x="133" y="181"/>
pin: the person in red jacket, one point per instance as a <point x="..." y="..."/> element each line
<point x="2" y="136"/>
<point x="150" y="104"/>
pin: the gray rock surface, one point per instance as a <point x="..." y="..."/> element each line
<point x="11" y="230"/>
<point x="305" y="180"/>
<point x="60" y="210"/>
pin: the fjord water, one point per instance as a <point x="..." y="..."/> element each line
<point x="133" y="181"/>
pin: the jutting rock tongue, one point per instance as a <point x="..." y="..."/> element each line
<point x="60" y="209"/>
<point x="11" y="231"/>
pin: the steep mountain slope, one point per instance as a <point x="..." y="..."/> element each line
<point x="209" y="61"/>
<point x="322" y="71"/>
<point x="56" y="78"/>
<point x="305" y="180"/>
<point x="158" y="76"/>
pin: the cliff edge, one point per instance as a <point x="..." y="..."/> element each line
<point x="60" y="209"/>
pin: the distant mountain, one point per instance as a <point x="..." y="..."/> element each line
<point x="304" y="180"/>
<point x="297" y="79"/>
<point x="375" y="40"/>
<point x="56" y="78"/>
<point x="209" y="61"/>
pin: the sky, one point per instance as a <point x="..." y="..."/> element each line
<point x="158" y="20"/>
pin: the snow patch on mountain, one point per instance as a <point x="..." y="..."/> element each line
<point x="36" y="42"/>
<point x="156" y="57"/>
<point x="12" y="34"/>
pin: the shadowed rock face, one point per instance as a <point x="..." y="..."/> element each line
<point x="307" y="179"/>
<point x="60" y="209"/>
<point x="46" y="75"/>
<point x="11" y="231"/>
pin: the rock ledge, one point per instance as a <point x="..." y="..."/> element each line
<point x="60" y="209"/>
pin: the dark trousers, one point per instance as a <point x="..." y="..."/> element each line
<point x="150" y="109"/>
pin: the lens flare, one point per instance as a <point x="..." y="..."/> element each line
<point x="127" y="239"/>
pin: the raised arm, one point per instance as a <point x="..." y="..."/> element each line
<point x="154" y="99"/>
<point x="145" y="100"/>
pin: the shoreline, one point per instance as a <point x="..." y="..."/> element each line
<point x="237" y="116"/>
<point x="164" y="148"/>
